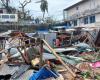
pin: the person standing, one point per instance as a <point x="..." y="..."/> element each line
<point x="58" y="42"/>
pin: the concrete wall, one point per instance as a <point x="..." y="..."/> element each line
<point x="0" y="4"/>
<point x="97" y="17"/>
<point x="49" y="37"/>
<point x="80" y="9"/>
<point x="88" y="5"/>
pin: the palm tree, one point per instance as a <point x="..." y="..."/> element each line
<point x="43" y="6"/>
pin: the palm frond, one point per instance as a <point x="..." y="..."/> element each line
<point x="38" y="2"/>
<point x="43" y="6"/>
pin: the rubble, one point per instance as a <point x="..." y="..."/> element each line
<point x="23" y="55"/>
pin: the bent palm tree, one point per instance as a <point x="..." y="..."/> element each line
<point x="43" y="6"/>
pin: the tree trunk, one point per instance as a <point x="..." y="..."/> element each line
<point x="43" y="16"/>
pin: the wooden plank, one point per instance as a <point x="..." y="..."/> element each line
<point x="59" y="58"/>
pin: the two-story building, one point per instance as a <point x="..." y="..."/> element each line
<point x="85" y="13"/>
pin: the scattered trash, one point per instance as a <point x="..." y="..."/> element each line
<point x="23" y="55"/>
<point x="44" y="73"/>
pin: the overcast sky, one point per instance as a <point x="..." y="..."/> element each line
<point x="55" y="7"/>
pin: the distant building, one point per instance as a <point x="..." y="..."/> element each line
<point x="85" y="13"/>
<point x="2" y="9"/>
<point x="7" y="10"/>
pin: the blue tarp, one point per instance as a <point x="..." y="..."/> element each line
<point x="44" y="73"/>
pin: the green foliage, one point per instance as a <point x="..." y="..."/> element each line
<point x="44" y="6"/>
<point x="86" y="74"/>
<point x="97" y="77"/>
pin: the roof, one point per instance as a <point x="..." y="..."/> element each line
<point x="82" y="1"/>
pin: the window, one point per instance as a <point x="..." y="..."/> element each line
<point x="77" y="8"/>
<point x="69" y="23"/>
<point x="66" y="23"/>
<point x="92" y="19"/>
<point x="5" y="16"/>
<point x="12" y="16"/>
<point x="1" y="11"/>
<point x="75" y="22"/>
<point x="86" y="20"/>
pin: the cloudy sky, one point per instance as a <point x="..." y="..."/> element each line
<point x="55" y="7"/>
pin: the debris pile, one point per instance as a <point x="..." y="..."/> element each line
<point x="74" y="56"/>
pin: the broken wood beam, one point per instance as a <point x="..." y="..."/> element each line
<point x="22" y="54"/>
<point x="59" y="58"/>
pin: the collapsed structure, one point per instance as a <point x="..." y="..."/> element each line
<point x="59" y="54"/>
<point x="71" y="61"/>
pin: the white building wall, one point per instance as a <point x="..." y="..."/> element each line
<point x="97" y="20"/>
<point x="97" y="17"/>
<point x="97" y="2"/>
<point x="85" y="6"/>
<point x="0" y="4"/>
<point x="88" y="5"/>
<point x="81" y="8"/>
